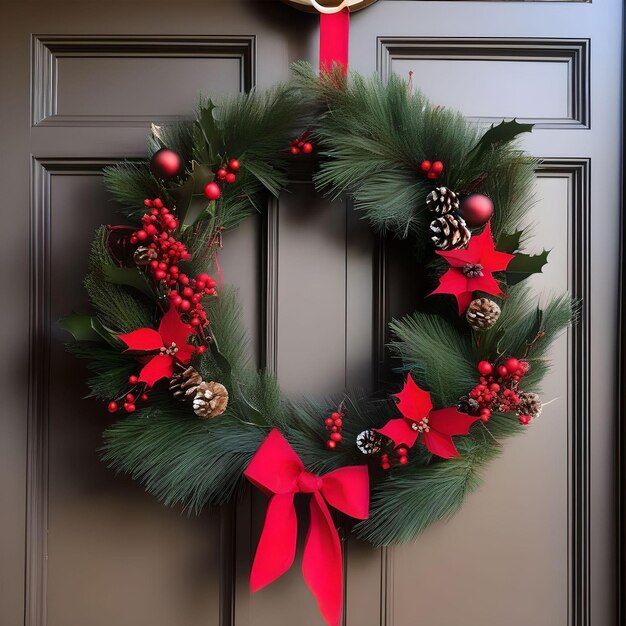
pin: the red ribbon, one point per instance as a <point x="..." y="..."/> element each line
<point x="334" y="37"/>
<point x="278" y="471"/>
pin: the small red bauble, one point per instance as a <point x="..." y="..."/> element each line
<point x="234" y="165"/>
<point x="230" y="177"/>
<point x="307" y="148"/>
<point x="112" y="407"/>
<point x="485" y="368"/>
<point x="425" y="166"/>
<point x="437" y="167"/>
<point x="165" y="163"/>
<point x="476" y="210"/>
<point x="212" y="191"/>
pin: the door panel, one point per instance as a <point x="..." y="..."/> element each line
<point x="80" y="88"/>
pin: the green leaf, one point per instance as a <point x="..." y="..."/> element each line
<point x="88" y="328"/>
<point x="209" y="130"/>
<point x="524" y="265"/>
<point x="509" y="243"/>
<point x="502" y="133"/>
<point x="191" y="202"/>
<point x="128" y="277"/>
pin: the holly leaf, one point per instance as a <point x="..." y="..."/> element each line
<point x="87" y="328"/>
<point x="208" y="129"/>
<point x="509" y="243"/>
<point x="524" y="265"/>
<point x="502" y="133"/>
<point x="189" y="196"/>
<point x="128" y="277"/>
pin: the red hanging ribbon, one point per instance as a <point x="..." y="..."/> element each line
<point x="278" y="471"/>
<point x="334" y="37"/>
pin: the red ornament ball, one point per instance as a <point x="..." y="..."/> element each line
<point x="485" y="368"/>
<point x="112" y="407"/>
<point x="230" y="178"/>
<point x="212" y="191"/>
<point x="476" y="210"/>
<point x="437" y="167"/>
<point x="221" y="173"/>
<point x="234" y="165"/>
<point x="165" y="163"/>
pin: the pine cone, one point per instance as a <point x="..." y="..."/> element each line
<point x="211" y="399"/>
<point x="482" y="313"/>
<point x="468" y="405"/>
<point x="369" y="442"/>
<point x="449" y="232"/>
<point x="143" y="255"/>
<point x="442" y="200"/>
<point x="184" y="385"/>
<point x="530" y="404"/>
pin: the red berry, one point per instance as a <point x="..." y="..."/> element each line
<point x="130" y="397"/>
<point x="494" y="387"/>
<point x="177" y="300"/>
<point x="336" y="437"/>
<point x="203" y="277"/>
<point x="234" y="165"/>
<point x="185" y="305"/>
<point x="151" y="229"/>
<point x="331" y="445"/>
<point x="195" y="321"/>
<point x="112" y="407"/>
<point x="144" y="396"/>
<point x="338" y="423"/>
<point x="157" y="203"/>
<point x="485" y="368"/>
<point x="425" y="166"/>
<point x="503" y="371"/>
<point x="336" y="415"/>
<point x="221" y="173"/>
<point x="437" y="167"/>
<point x="133" y="380"/>
<point x="230" y="178"/>
<point x="294" y="150"/>
<point x="512" y="365"/>
<point x="403" y="460"/>
<point x="187" y="292"/>
<point x="307" y="148"/>
<point x="147" y="202"/>
<point x="201" y="349"/>
<point x="334" y="428"/>
<point x="129" y="407"/>
<point x="431" y="175"/>
<point x="329" y="422"/>
<point x="212" y="191"/>
<point x="385" y="466"/>
<point x="524" y="420"/>
<point x="402" y="451"/>
<point x="160" y="274"/>
<point x="142" y="235"/>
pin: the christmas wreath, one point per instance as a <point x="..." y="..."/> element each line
<point x="168" y="352"/>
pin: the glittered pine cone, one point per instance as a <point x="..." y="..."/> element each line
<point x="482" y="313"/>
<point x="184" y="384"/>
<point x="442" y="200"/>
<point x="449" y="232"/>
<point x="211" y="400"/>
<point x="530" y="404"/>
<point x="468" y="406"/>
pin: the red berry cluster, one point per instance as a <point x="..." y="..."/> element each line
<point x="301" y="144"/>
<point x="402" y="458"/>
<point x="186" y="295"/>
<point x="225" y="174"/>
<point x="498" y="387"/>
<point x="334" y="424"/>
<point x="128" y="401"/>
<point x="432" y="170"/>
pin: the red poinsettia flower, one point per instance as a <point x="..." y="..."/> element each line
<point x="170" y="341"/>
<point x="471" y="269"/>
<point x="435" y="427"/>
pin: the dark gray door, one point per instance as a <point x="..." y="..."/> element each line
<point x="80" y="85"/>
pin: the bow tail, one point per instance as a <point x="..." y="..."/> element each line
<point x="321" y="562"/>
<point x="277" y="546"/>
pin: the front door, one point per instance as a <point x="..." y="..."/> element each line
<point x="81" y="83"/>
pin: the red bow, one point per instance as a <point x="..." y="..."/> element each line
<point x="278" y="471"/>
